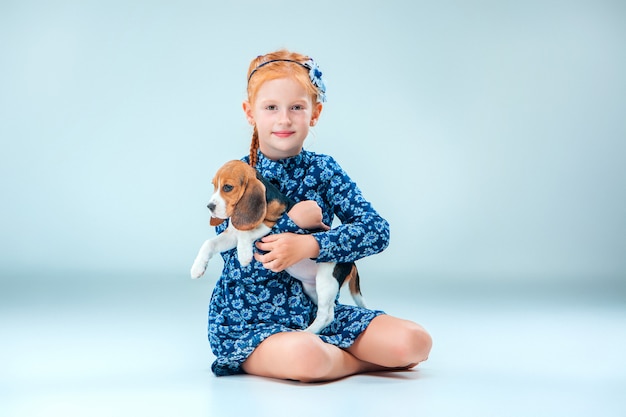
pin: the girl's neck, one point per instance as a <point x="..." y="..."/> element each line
<point x="276" y="156"/>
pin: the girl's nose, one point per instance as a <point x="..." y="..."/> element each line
<point x="284" y="117"/>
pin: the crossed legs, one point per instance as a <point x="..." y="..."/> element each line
<point x="388" y="343"/>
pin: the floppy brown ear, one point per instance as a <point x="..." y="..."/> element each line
<point x="215" y="221"/>
<point x="251" y="207"/>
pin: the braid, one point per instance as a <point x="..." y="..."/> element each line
<point x="254" y="147"/>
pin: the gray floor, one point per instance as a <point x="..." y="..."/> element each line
<point x="121" y="346"/>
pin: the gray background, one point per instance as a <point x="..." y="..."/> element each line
<point x="490" y="134"/>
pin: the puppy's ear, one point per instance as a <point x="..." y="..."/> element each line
<point x="215" y="221"/>
<point x="251" y="207"/>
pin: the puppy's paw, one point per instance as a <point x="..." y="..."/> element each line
<point x="245" y="262"/>
<point x="314" y="328"/>
<point x="244" y="255"/>
<point x="197" y="269"/>
<point x="322" y="320"/>
<point x="317" y="326"/>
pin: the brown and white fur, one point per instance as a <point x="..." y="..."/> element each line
<point x="253" y="206"/>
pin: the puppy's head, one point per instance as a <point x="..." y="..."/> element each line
<point x="238" y="195"/>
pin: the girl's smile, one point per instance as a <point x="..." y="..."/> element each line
<point x="283" y="134"/>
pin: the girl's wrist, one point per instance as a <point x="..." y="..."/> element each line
<point x="309" y="246"/>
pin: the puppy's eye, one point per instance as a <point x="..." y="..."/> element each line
<point x="227" y="188"/>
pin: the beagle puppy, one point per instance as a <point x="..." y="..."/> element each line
<point x="253" y="206"/>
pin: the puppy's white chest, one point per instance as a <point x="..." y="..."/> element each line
<point x="245" y="241"/>
<point x="304" y="271"/>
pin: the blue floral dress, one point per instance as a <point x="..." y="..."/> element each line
<point x="251" y="303"/>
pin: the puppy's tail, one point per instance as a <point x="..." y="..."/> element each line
<point x="354" y="284"/>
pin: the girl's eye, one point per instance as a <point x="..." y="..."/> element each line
<point x="271" y="107"/>
<point x="227" y="188"/>
<point x="297" y="107"/>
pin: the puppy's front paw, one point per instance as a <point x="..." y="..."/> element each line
<point x="244" y="255"/>
<point x="197" y="269"/>
<point x="245" y="262"/>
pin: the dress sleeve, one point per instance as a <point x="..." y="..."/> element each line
<point x="363" y="231"/>
<point x="285" y="224"/>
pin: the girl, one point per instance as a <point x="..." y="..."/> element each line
<point x="257" y="312"/>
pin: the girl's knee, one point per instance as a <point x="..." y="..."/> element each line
<point x="412" y="344"/>
<point x="314" y="360"/>
<point x="309" y="358"/>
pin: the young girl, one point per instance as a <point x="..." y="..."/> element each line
<point x="257" y="312"/>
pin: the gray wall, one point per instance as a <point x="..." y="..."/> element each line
<point x="490" y="134"/>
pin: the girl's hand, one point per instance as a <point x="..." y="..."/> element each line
<point x="307" y="215"/>
<point x="286" y="249"/>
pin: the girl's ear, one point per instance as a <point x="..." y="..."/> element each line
<point x="251" y="207"/>
<point x="247" y="109"/>
<point x="317" y="110"/>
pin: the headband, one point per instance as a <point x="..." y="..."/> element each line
<point x="314" y="74"/>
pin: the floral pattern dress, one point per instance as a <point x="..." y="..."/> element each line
<point x="251" y="303"/>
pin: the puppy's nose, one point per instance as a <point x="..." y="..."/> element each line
<point x="211" y="206"/>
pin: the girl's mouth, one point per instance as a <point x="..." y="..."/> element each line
<point x="283" y="133"/>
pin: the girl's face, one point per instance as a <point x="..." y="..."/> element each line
<point x="283" y="111"/>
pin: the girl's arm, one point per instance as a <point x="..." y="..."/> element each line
<point x="308" y="215"/>
<point x="286" y="249"/>
<point x="363" y="231"/>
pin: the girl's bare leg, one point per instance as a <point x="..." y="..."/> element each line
<point x="302" y="356"/>
<point x="387" y="343"/>
<point x="392" y="343"/>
